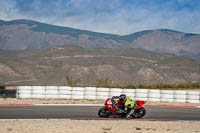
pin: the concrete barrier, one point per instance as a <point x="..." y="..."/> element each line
<point x="66" y="92"/>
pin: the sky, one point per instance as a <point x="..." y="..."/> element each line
<point x="108" y="16"/>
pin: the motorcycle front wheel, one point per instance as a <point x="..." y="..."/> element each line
<point x="103" y="112"/>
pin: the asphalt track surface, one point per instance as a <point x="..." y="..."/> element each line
<point x="90" y="113"/>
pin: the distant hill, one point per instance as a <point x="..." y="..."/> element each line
<point x="168" y="41"/>
<point x="28" y="34"/>
<point x="89" y="66"/>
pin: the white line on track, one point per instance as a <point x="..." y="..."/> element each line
<point x="68" y="104"/>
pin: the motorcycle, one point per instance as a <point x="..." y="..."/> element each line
<point x="108" y="110"/>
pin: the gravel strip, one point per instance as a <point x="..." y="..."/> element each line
<point x="91" y="126"/>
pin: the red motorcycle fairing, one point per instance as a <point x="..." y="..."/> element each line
<point x="140" y="103"/>
<point x="108" y="105"/>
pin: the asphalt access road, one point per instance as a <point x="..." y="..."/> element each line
<point x="90" y="112"/>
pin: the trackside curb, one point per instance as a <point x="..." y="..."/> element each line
<point x="103" y="105"/>
<point x="68" y="104"/>
<point x="16" y="104"/>
<point x="171" y="106"/>
<point x="97" y="105"/>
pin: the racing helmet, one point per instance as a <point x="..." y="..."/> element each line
<point x="122" y="97"/>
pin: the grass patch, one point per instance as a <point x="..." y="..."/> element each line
<point x="107" y="82"/>
<point x="164" y="86"/>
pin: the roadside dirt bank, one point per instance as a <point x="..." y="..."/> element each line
<point x="101" y="126"/>
<point x="70" y="101"/>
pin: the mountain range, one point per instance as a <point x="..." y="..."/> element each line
<point x="34" y="53"/>
<point x="27" y="35"/>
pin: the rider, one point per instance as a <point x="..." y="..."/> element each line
<point x="125" y="105"/>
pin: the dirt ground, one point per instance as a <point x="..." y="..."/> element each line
<point x="70" y="101"/>
<point x="98" y="126"/>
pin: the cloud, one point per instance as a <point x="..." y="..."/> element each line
<point x="113" y="16"/>
<point x="7" y="10"/>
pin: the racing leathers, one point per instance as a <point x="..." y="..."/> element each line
<point x="128" y="107"/>
<point x="119" y="106"/>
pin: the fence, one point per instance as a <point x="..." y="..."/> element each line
<point x="66" y="92"/>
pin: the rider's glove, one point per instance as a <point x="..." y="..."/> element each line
<point x="122" y="111"/>
<point x="113" y="105"/>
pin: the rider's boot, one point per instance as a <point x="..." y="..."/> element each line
<point x="131" y="114"/>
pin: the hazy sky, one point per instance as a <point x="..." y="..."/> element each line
<point x="109" y="16"/>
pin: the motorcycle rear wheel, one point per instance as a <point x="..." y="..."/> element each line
<point x="140" y="112"/>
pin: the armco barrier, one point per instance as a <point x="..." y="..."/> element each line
<point x="167" y="95"/>
<point x="90" y="89"/>
<point x="65" y="88"/>
<point x="153" y="99"/>
<point x="180" y="96"/>
<point x="64" y="96"/>
<point x="66" y="92"/>
<point x="129" y="92"/>
<point x="141" y="94"/>
<point x="91" y="97"/>
<point x="116" y="90"/>
<point x="38" y="96"/>
<point x="90" y="93"/>
<point x="154" y="95"/>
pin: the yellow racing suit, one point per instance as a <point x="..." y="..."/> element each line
<point x="130" y="107"/>
<point x="129" y="103"/>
